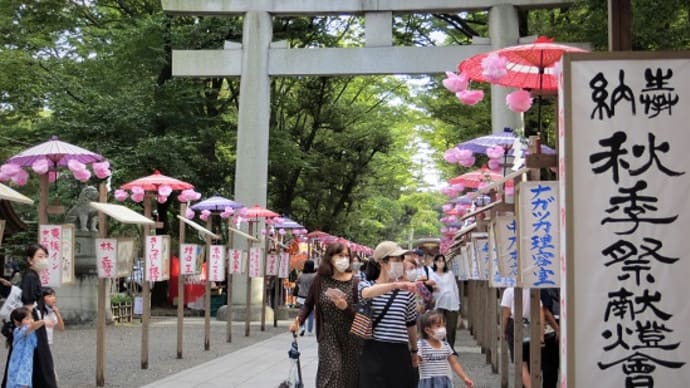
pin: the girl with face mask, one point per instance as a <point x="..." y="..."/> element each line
<point x="333" y="299"/>
<point x="435" y="356"/>
<point x="37" y="260"/>
<point x="386" y="359"/>
<point x="447" y="296"/>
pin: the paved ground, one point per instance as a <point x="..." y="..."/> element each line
<point x="257" y="361"/>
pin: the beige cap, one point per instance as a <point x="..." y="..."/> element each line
<point x="388" y="248"/>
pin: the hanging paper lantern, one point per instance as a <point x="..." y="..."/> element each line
<point x="101" y="169"/>
<point x="137" y="197"/>
<point x="494" y="67"/>
<point x="519" y="101"/>
<point x="161" y="199"/>
<point x="243" y="212"/>
<point x="495" y="152"/>
<point x="204" y="215"/>
<point x="494" y="164"/>
<point x="53" y="176"/>
<point x="82" y="175"/>
<point x="470" y="97"/>
<point x="455" y="82"/>
<point x="281" y="232"/>
<point x="75" y="165"/>
<point x="467" y="162"/>
<point x="8" y="170"/>
<point x="121" y="195"/>
<point x="20" y="177"/>
<point x="189" y="213"/>
<point x="164" y="190"/>
<point x="40" y="166"/>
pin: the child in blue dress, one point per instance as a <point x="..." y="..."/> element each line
<point x="435" y="356"/>
<point x="24" y="340"/>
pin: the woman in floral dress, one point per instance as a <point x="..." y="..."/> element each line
<point x="333" y="296"/>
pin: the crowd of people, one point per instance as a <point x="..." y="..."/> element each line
<point x="414" y="306"/>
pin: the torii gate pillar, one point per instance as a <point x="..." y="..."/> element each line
<point x="503" y="32"/>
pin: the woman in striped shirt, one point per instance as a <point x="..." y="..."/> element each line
<point x="387" y="357"/>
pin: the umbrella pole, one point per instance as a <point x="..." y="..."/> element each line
<point x="228" y="289"/>
<point x="248" y="311"/>
<point x="207" y="293"/>
<point x="180" y="288"/>
<point x="145" y="295"/>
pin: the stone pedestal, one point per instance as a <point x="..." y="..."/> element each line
<point x="240" y="312"/>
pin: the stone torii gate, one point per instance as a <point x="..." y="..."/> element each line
<point x="258" y="58"/>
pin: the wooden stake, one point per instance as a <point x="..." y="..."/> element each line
<point x="263" y="284"/>
<point x="248" y="312"/>
<point x="180" y="287"/>
<point x="100" y="315"/>
<point x="228" y="309"/>
<point x="145" y="293"/>
<point x="207" y="291"/>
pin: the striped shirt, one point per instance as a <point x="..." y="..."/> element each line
<point x="434" y="361"/>
<point x="401" y="314"/>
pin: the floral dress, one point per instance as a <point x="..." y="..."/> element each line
<point x="22" y="359"/>
<point x="338" y="349"/>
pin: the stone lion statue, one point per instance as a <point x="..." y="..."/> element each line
<point x="82" y="212"/>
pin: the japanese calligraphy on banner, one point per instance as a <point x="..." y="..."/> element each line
<point x="235" y="261"/>
<point x="284" y="268"/>
<point x="157" y="256"/>
<point x="538" y="233"/>
<point x="505" y="228"/>
<point x="191" y="259"/>
<point x="50" y="236"/>
<point x="474" y="266"/>
<point x="624" y="156"/>
<point x="272" y="264"/>
<point x="216" y="263"/>
<point x="496" y="277"/>
<point x="255" y="262"/>
<point x="106" y="258"/>
<point x="481" y="249"/>
<point x="68" y="248"/>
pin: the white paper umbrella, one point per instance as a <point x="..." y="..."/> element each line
<point x="58" y="152"/>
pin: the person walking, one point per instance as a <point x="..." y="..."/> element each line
<point x="386" y="359"/>
<point x="32" y="297"/>
<point x="447" y="297"/>
<point x="24" y="341"/>
<point x="436" y="356"/>
<point x="303" y="283"/>
<point x="333" y="295"/>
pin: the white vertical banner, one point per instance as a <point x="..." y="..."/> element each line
<point x="480" y="241"/>
<point x="235" y="261"/>
<point x="538" y="234"/>
<point x="466" y="263"/>
<point x="496" y="277"/>
<point x="272" y="262"/>
<point x="68" y="248"/>
<point x="190" y="260"/>
<point x="106" y="258"/>
<point x="474" y="265"/>
<point x="505" y="228"/>
<point x="255" y="262"/>
<point x="153" y="252"/>
<point x="627" y="179"/>
<point x="216" y="263"/>
<point x="284" y="268"/>
<point x="50" y="236"/>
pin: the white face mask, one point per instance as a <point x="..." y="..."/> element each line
<point x="395" y="270"/>
<point x="356" y="266"/>
<point x="411" y="275"/>
<point x="40" y="264"/>
<point x="439" y="333"/>
<point x="342" y="264"/>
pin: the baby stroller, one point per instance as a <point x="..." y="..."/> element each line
<point x="294" y="379"/>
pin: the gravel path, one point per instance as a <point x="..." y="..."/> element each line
<point x="75" y="352"/>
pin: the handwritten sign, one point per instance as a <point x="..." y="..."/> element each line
<point x="272" y="262"/>
<point x="624" y="150"/>
<point x="496" y="278"/>
<point x="284" y="269"/>
<point x="235" y="257"/>
<point x="106" y="258"/>
<point x="255" y="262"/>
<point x="50" y="236"/>
<point x="190" y="259"/>
<point x="157" y="257"/>
<point x="474" y="265"/>
<point x="481" y="250"/>
<point x="68" y="248"/>
<point x="505" y="229"/>
<point x="538" y="233"/>
<point x="126" y="248"/>
<point x="216" y="263"/>
<point x="466" y="267"/>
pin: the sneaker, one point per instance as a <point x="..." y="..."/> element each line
<point x="301" y="333"/>
<point x="310" y="334"/>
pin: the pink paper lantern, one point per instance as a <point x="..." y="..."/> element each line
<point x="41" y="166"/>
<point x="82" y="175"/>
<point x="75" y="165"/>
<point x="494" y="67"/>
<point x="189" y="213"/>
<point x="470" y="97"/>
<point x="519" y="101"/>
<point x="101" y="169"/>
<point x="204" y="215"/>
<point x="455" y="82"/>
<point x="121" y="195"/>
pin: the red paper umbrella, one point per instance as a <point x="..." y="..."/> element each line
<point x="475" y="178"/>
<point x="318" y="235"/>
<point x="257" y="211"/>
<point x="529" y="66"/>
<point x="153" y="182"/>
